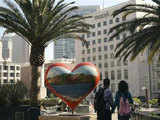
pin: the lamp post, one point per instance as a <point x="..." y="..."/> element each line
<point x="146" y="94"/>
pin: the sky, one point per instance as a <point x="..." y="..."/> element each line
<point x="106" y="3"/>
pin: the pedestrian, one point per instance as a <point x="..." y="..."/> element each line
<point x="108" y="100"/>
<point x="123" y="101"/>
<point x="103" y="100"/>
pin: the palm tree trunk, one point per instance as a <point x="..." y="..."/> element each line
<point x="35" y="85"/>
<point x="36" y="61"/>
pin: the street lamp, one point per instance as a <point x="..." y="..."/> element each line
<point x="146" y="94"/>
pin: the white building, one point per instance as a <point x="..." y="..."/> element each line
<point x="9" y="73"/>
<point x="101" y="51"/>
<point x="65" y="48"/>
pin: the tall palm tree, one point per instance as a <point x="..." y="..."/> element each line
<point x="145" y="31"/>
<point x="39" y="22"/>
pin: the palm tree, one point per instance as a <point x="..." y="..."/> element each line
<point x="39" y="22"/>
<point x="144" y="31"/>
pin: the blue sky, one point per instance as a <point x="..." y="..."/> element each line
<point x="107" y="3"/>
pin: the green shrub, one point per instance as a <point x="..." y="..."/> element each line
<point x="12" y="94"/>
<point x="153" y="101"/>
<point x="137" y="101"/>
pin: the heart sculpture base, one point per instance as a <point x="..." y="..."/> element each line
<point x="72" y="86"/>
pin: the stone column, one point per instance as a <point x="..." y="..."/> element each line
<point x="43" y="91"/>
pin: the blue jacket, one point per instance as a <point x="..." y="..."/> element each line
<point x="117" y="99"/>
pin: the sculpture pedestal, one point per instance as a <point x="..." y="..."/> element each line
<point x="65" y="117"/>
<point x="43" y="92"/>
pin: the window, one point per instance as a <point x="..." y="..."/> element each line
<point x="12" y="75"/>
<point x="105" y="48"/>
<point x="5" y="74"/>
<point x="88" y="51"/>
<point x="99" y="57"/>
<point x="83" y="59"/>
<point x="18" y="68"/>
<point x="12" y="81"/>
<point x="105" y="56"/>
<point x="117" y="20"/>
<point x="111" y="55"/>
<point x="5" y="81"/>
<point x="104" y="23"/>
<point x="118" y="37"/>
<point x="104" y="31"/>
<point x="105" y="65"/>
<point x="125" y="62"/>
<point x="105" y="39"/>
<point x="93" y="34"/>
<point x="118" y="63"/>
<point x="99" y="41"/>
<point x="106" y="73"/>
<point x="17" y="75"/>
<point x="83" y="36"/>
<point x="111" y="47"/>
<point x="5" y="67"/>
<point x="123" y="18"/>
<point x="0" y="67"/>
<point x="12" y="68"/>
<point x="88" y="42"/>
<point x="99" y="33"/>
<point x="112" y="75"/>
<point x="99" y="49"/>
<point x="93" y="42"/>
<point x="112" y="63"/>
<point x="100" y="65"/>
<point x="83" y="51"/>
<point x="82" y="44"/>
<point x="99" y="25"/>
<point x="94" y="49"/>
<point x="88" y="35"/>
<point x="110" y="21"/>
<point x="126" y="74"/>
<point x="94" y="58"/>
<point x="93" y="26"/>
<point x="88" y="59"/>
<point x="119" y="75"/>
<point x="124" y="35"/>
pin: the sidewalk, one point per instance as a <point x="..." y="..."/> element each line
<point x="114" y="117"/>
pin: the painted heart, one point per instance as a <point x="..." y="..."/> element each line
<point x="72" y="86"/>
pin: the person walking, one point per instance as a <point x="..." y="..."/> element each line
<point x="123" y="101"/>
<point x="103" y="100"/>
<point x="108" y="100"/>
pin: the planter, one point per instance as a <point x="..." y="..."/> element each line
<point x="144" y="116"/>
<point x="19" y="113"/>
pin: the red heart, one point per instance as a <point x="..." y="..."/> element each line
<point x="72" y="86"/>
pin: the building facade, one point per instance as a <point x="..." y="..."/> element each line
<point x="9" y="73"/>
<point x="65" y="48"/>
<point x="101" y="51"/>
<point x="20" y="50"/>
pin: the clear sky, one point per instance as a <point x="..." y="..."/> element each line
<point x="107" y="3"/>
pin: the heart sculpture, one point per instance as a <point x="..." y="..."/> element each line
<point x="72" y="86"/>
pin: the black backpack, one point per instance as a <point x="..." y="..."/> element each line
<point x="99" y="103"/>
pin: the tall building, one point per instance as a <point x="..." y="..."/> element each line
<point x="65" y="48"/>
<point x="101" y="51"/>
<point x="20" y="50"/>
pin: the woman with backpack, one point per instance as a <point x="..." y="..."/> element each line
<point x="123" y="101"/>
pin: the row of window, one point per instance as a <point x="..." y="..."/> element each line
<point x="99" y="41"/>
<point x="111" y="21"/>
<point x="99" y="49"/>
<point x="117" y="76"/>
<point x="99" y="57"/>
<point x="8" y="81"/>
<point x="10" y="75"/>
<point x="11" y="67"/>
